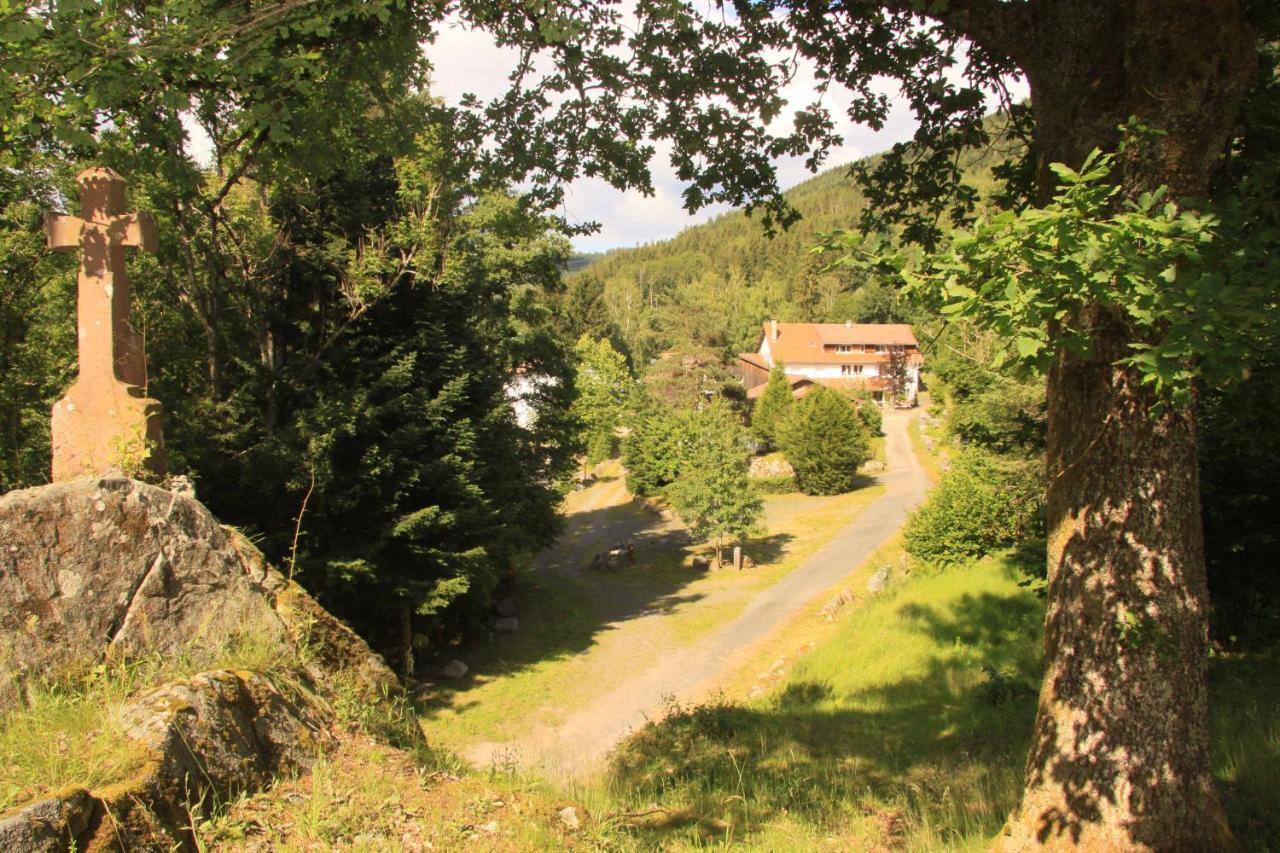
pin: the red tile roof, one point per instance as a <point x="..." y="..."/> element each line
<point x="799" y="385"/>
<point x="806" y="343"/>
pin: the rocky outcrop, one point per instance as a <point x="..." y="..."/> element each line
<point x="208" y="738"/>
<point x="91" y="565"/>
<point x="101" y="565"/>
<point x="56" y="823"/>
<point x="112" y="566"/>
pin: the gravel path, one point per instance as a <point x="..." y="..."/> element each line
<point x="579" y="746"/>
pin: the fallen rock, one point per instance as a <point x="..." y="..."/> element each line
<point x="210" y="737"/>
<point x="875" y="466"/>
<point x="700" y="562"/>
<point x="506" y="626"/>
<point x="832" y="607"/>
<point x="454" y="669"/>
<point x="53" y="824"/>
<point x="770" y="466"/>
<point x="569" y="818"/>
<point x="879" y="580"/>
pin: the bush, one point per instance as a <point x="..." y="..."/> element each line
<point x="869" y="412"/>
<point x="1008" y="416"/>
<point x="983" y="502"/>
<point x="600" y="446"/>
<point x="825" y="443"/>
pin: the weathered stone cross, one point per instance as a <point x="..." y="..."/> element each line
<point x="105" y="422"/>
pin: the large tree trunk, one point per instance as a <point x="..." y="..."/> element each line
<point x="1120" y="756"/>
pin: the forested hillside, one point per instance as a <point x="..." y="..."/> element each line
<point x="712" y="284"/>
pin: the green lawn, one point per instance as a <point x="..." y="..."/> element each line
<point x="905" y="727"/>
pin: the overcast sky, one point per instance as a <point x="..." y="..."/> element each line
<point x="469" y="61"/>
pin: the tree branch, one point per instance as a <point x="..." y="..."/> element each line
<point x="1003" y="28"/>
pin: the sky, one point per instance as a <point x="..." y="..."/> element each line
<point x="468" y="61"/>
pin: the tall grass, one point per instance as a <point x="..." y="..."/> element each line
<point x="67" y="732"/>
<point x="1244" y="711"/>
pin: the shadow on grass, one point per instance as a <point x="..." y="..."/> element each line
<point x="565" y="605"/>
<point x="946" y="746"/>
<point x="1244" y="712"/>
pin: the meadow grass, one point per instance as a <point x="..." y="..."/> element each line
<point x="904" y="725"/>
<point x="67" y="733"/>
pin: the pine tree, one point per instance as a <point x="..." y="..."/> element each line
<point x="825" y="443"/>
<point x="773" y="407"/>
<point x="712" y="493"/>
<point x="651" y="451"/>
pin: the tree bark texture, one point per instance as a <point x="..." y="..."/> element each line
<point x="1120" y="757"/>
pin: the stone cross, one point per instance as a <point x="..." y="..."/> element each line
<point x="105" y="423"/>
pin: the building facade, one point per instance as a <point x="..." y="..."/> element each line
<point x="843" y="356"/>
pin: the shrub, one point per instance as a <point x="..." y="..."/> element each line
<point x="600" y="446"/>
<point x="1008" y="416"/>
<point x="825" y="443"/>
<point x="869" y="412"/>
<point x="983" y="502"/>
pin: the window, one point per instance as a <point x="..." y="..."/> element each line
<point x="851" y="370"/>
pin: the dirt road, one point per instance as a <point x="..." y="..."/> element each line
<point x="578" y="747"/>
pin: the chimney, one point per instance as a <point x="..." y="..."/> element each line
<point x="774" y="326"/>
<point x="848" y="324"/>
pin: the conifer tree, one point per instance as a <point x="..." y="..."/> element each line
<point x="651" y="451"/>
<point x="773" y="407"/>
<point x="824" y="442"/>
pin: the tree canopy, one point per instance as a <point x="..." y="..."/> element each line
<point x="283" y="88"/>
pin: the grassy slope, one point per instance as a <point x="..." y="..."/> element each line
<point x="890" y="730"/>
<point x="905" y="726"/>
<point x="67" y="735"/>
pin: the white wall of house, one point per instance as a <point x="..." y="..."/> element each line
<point x="831" y="371"/>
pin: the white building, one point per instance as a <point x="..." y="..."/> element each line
<point x="843" y="356"/>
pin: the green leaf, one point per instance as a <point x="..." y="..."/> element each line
<point x="1028" y="347"/>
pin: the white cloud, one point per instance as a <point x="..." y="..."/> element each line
<point x="468" y="61"/>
